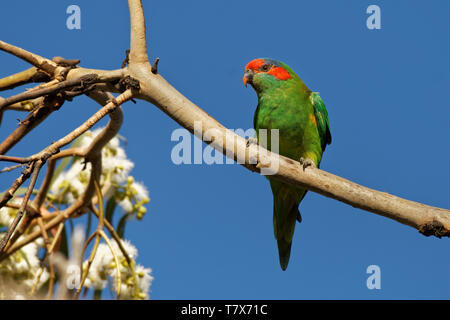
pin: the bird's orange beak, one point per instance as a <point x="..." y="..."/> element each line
<point x="245" y="79"/>
<point x="248" y="76"/>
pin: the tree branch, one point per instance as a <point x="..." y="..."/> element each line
<point x="32" y="74"/>
<point x="83" y="82"/>
<point x="45" y="106"/>
<point x="4" y="241"/>
<point x="34" y="59"/>
<point x="152" y="87"/>
<point x="138" y="45"/>
<point x="92" y="154"/>
<point x="155" y="89"/>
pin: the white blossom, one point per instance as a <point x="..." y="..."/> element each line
<point x="19" y="272"/>
<point x="126" y="205"/>
<point x="5" y="217"/>
<point x="70" y="185"/>
<point x="144" y="279"/>
<point x="104" y="266"/>
<point x="141" y="192"/>
<point x="97" y="276"/>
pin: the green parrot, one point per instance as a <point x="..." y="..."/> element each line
<point x="285" y="103"/>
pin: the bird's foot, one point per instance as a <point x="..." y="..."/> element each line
<point x="251" y="141"/>
<point x="299" y="217"/>
<point x="306" y="162"/>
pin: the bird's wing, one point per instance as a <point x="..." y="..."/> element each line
<point x="321" y="115"/>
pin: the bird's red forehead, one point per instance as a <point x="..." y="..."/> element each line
<point x="255" y="64"/>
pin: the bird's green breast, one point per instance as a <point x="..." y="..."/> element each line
<point x="289" y="109"/>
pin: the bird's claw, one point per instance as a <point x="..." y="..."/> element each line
<point x="251" y="141"/>
<point x="299" y="217"/>
<point x="305" y="162"/>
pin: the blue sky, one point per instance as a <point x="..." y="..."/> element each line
<point x="208" y="232"/>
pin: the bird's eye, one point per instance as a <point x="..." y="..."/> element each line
<point x="265" y="67"/>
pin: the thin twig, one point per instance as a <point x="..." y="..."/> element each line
<point x="101" y="223"/>
<point x="50" y="256"/>
<point x="14" y="159"/>
<point x="89" y="262"/>
<point x="43" y="190"/>
<point x="155" y="66"/>
<point x="43" y="108"/>
<point x="34" y="59"/>
<point x="116" y="259"/>
<point x="85" y="199"/>
<point x="7" y="169"/>
<point x="16" y="184"/>
<point x="82" y="83"/>
<point x="116" y="237"/>
<point x="49" y="252"/>
<point x="20" y="213"/>
<point x="108" y="108"/>
<point x="27" y="76"/>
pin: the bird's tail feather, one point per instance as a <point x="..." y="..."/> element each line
<point x="284" y="252"/>
<point x="285" y="216"/>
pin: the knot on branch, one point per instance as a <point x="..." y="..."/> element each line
<point x="40" y="76"/>
<point x="129" y="83"/>
<point x="88" y="79"/>
<point x="60" y="61"/>
<point x="434" y="228"/>
<point x="155" y="66"/>
<point x="47" y="66"/>
<point x="87" y="84"/>
<point x="28" y="169"/>
<point x="127" y="58"/>
<point x="66" y="65"/>
<point x="52" y="101"/>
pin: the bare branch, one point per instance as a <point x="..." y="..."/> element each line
<point x="34" y="59"/>
<point x="16" y="184"/>
<point x="91" y="153"/>
<point x="138" y="44"/>
<point x="155" y="66"/>
<point x="42" y="110"/>
<point x="40" y="197"/>
<point x="155" y="89"/>
<point x="7" y="169"/>
<point x="30" y="75"/>
<point x="24" y="106"/>
<point x="75" y="209"/>
<point x="13" y="159"/>
<point x="82" y="82"/>
<point x="21" y="212"/>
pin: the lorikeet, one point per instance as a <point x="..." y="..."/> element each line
<point x="285" y="103"/>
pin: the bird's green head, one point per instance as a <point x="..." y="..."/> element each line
<point x="266" y="73"/>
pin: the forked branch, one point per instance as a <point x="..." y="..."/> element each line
<point x="143" y="81"/>
<point x="155" y="89"/>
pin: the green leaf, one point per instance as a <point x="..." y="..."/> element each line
<point x="88" y="225"/>
<point x="110" y="208"/>
<point x="71" y="226"/>
<point x="64" y="248"/>
<point x="121" y="225"/>
<point x="97" y="294"/>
